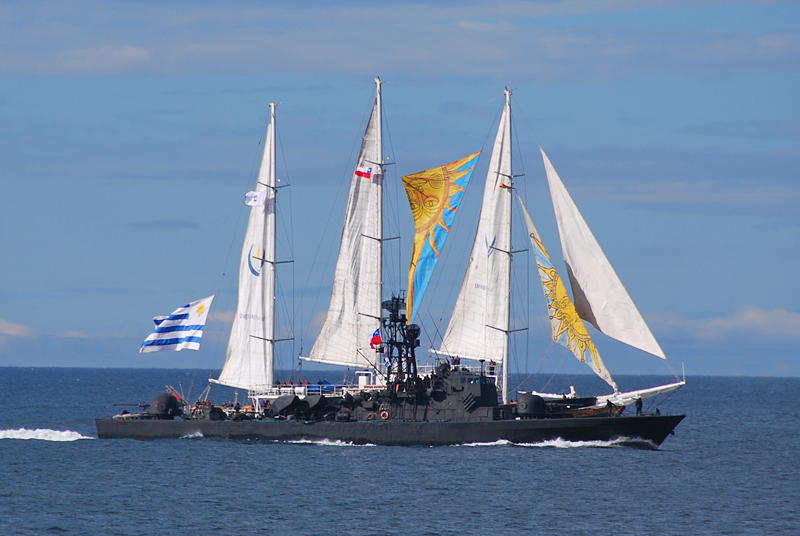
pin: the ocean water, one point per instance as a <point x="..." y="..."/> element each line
<point x="732" y="467"/>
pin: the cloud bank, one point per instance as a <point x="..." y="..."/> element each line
<point x="523" y="39"/>
<point x="748" y="321"/>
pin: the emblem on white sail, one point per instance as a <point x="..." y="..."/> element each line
<point x="566" y="326"/>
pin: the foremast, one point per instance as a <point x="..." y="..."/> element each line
<point x="250" y="357"/>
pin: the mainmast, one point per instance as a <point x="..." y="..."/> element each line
<point x="510" y="178"/>
<point x="354" y="312"/>
<point x="479" y="326"/>
<point x="379" y="164"/>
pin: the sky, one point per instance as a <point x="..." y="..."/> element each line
<point x="130" y="131"/>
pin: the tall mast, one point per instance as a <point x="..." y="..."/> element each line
<point x="354" y="312"/>
<point x="479" y="326"/>
<point x="510" y="249"/>
<point x="379" y="163"/>
<point x="269" y="254"/>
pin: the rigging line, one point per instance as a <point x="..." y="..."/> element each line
<point x="446" y="125"/>
<point x="667" y="397"/>
<point x="256" y="161"/>
<point x="526" y="121"/>
<point x="331" y="243"/>
<point x="445" y="254"/>
<point x="339" y="119"/>
<point x="555" y="372"/>
<point x="396" y="207"/>
<point x="436" y="86"/>
<point x="543" y="360"/>
<point x="323" y="92"/>
<point x="669" y="366"/>
<point x="438" y="330"/>
<point x="519" y="159"/>
<point x="536" y="372"/>
<point x="290" y="237"/>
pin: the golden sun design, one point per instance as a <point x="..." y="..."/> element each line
<point x="563" y="310"/>
<point x="428" y="196"/>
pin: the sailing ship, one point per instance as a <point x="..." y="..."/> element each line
<point x="392" y="403"/>
<point x="479" y="327"/>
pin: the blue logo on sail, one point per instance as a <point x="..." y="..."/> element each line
<point x="250" y="258"/>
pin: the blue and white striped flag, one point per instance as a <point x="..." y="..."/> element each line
<point x="182" y="329"/>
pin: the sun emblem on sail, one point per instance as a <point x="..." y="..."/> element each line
<point x="201" y="309"/>
<point x="434" y="196"/>
<point x="429" y="197"/>
<point x="569" y="325"/>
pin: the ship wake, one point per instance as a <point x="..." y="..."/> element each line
<point x="329" y="443"/>
<point x="559" y="443"/>
<point x="42" y="434"/>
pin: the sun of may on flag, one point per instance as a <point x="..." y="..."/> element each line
<point x="182" y="329"/>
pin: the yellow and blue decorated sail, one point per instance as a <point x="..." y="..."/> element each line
<point x="566" y="326"/>
<point x="434" y="196"/>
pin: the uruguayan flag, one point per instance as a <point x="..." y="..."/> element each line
<point x="182" y="329"/>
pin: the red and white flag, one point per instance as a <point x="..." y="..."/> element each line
<point x="365" y="172"/>
<point x="375" y="340"/>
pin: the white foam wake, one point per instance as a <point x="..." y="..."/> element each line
<point x="553" y="443"/>
<point x="42" y="434"/>
<point x="328" y="443"/>
<point x="564" y="444"/>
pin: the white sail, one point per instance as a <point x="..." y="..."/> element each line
<point x="599" y="296"/>
<point x="355" y="307"/>
<point x="478" y="328"/>
<point x="251" y="347"/>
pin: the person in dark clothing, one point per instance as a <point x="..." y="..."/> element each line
<point x="638" y="406"/>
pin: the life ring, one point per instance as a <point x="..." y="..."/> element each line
<point x="384" y="415"/>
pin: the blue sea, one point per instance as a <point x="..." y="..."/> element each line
<point x="732" y="467"/>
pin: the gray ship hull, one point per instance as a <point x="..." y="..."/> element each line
<point x="644" y="431"/>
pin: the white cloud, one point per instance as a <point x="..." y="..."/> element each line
<point x="222" y="316"/>
<point x="10" y="329"/>
<point x="74" y="334"/>
<point x="495" y="39"/>
<point x="747" y="320"/>
<point x="106" y="58"/>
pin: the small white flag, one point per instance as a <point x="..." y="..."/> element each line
<point x="182" y="329"/>
<point x="255" y="199"/>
